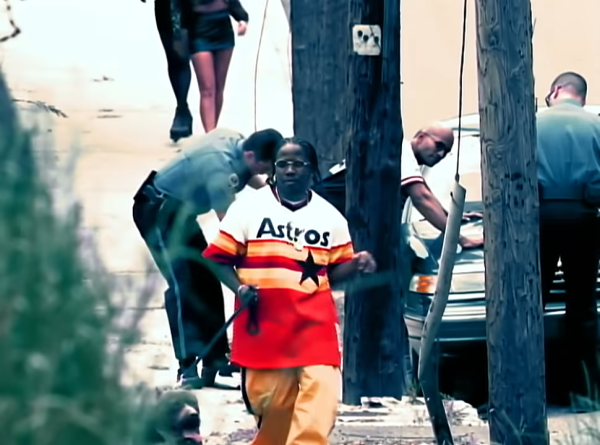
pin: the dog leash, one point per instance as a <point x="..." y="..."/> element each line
<point x="252" y="328"/>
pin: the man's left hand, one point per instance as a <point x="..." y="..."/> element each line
<point x="470" y="216"/>
<point x="364" y="262"/>
<point x="470" y="243"/>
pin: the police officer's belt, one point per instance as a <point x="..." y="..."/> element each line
<point x="148" y="193"/>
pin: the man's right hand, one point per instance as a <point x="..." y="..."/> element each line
<point x="470" y="243"/>
<point x="247" y="293"/>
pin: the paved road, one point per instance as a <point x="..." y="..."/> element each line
<point x="102" y="65"/>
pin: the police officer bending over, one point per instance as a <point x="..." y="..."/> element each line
<point x="568" y="147"/>
<point x="205" y="176"/>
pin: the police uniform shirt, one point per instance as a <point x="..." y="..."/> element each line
<point x="208" y="173"/>
<point x="568" y="151"/>
<point x="287" y="254"/>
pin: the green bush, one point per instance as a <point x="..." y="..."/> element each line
<point x="62" y="341"/>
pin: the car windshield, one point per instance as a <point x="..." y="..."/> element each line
<point x="440" y="178"/>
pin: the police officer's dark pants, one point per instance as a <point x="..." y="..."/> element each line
<point x="570" y="230"/>
<point x="194" y="300"/>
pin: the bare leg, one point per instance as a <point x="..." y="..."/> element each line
<point x="205" y="74"/>
<point x="222" y="60"/>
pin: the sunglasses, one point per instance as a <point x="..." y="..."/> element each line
<point x="294" y="164"/>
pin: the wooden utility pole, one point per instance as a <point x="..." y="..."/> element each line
<point x="515" y="329"/>
<point x="287" y="9"/>
<point x="320" y="38"/>
<point x="373" y="334"/>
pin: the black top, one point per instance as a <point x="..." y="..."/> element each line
<point x="234" y="7"/>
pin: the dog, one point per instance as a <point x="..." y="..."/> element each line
<point x="174" y="418"/>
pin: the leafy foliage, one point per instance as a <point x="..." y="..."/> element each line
<point x="62" y="340"/>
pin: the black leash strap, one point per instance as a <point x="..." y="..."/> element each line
<point x="252" y="327"/>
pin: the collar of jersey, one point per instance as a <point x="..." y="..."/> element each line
<point x="289" y="205"/>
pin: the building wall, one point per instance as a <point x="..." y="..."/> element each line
<point x="566" y="38"/>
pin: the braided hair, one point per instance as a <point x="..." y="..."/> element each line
<point x="309" y="151"/>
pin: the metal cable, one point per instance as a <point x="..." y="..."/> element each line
<point x="460" y="85"/>
<point x="260" y="39"/>
<point x="15" y="29"/>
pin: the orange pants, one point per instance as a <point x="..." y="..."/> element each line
<point x="296" y="406"/>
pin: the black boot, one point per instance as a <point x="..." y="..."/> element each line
<point x="187" y="375"/>
<point x="182" y="124"/>
<point x="218" y="367"/>
<point x="228" y="370"/>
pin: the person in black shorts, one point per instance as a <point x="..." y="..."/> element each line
<point x="202" y="30"/>
<point x="207" y="34"/>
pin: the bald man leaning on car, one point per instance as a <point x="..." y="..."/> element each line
<point x="428" y="147"/>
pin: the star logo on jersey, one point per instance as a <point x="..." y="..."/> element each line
<point x="310" y="269"/>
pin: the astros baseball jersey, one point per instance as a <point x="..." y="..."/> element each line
<point x="287" y="254"/>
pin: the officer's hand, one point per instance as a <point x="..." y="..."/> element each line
<point x="242" y="28"/>
<point x="364" y="262"/>
<point x="247" y="294"/>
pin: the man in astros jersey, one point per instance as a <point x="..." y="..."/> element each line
<point x="288" y="245"/>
